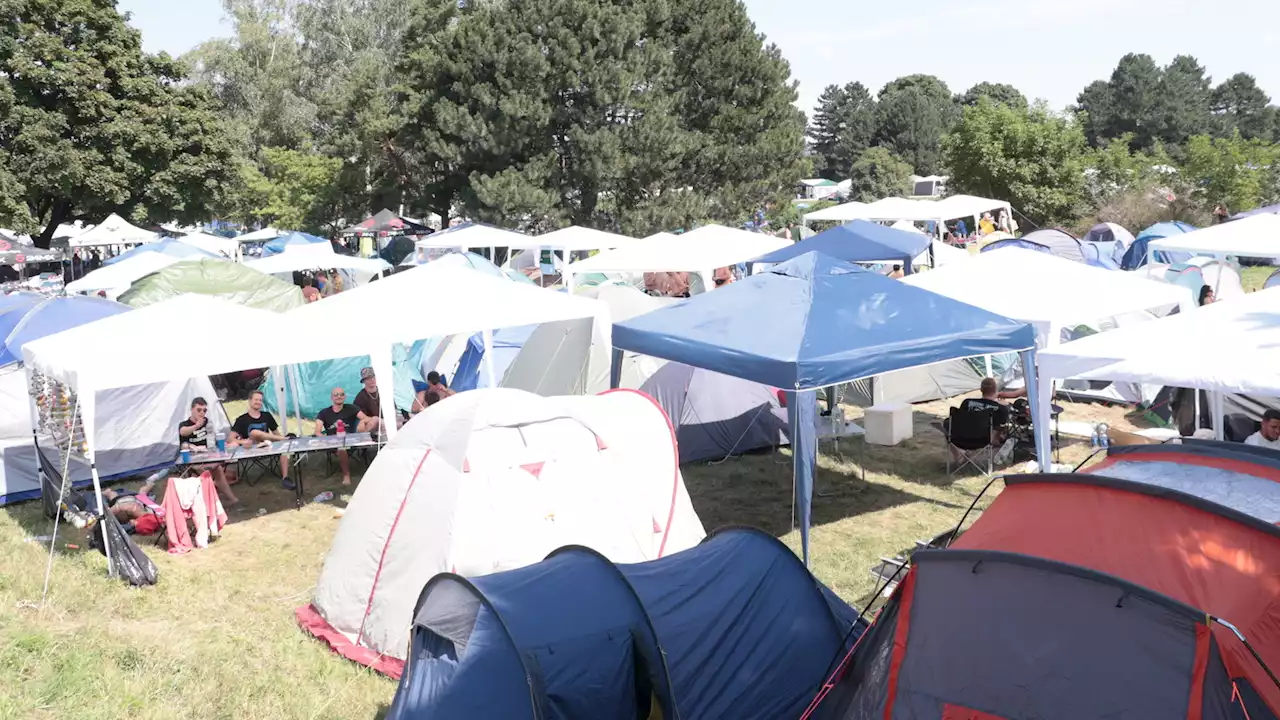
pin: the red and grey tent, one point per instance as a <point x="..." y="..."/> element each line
<point x="1079" y="596"/>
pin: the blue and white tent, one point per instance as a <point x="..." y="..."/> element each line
<point x="858" y="241"/>
<point x="168" y="246"/>
<point x="732" y="628"/>
<point x="814" y="322"/>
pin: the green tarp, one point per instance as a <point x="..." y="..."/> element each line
<point x="220" y="278"/>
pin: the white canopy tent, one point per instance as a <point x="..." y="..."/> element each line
<point x="839" y="213"/>
<point x="575" y="239"/>
<point x="1256" y="236"/>
<point x="117" y="277"/>
<point x="436" y="301"/>
<point x="223" y="247"/>
<point x="1049" y="292"/>
<point x="1231" y="346"/>
<point x="699" y="251"/>
<point x="318" y="256"/>
<point x="935" y="211"/>
<point x="115" y="230"/>
<point x="263" y="235"/>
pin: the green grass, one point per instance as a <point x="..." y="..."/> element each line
<point x="216" y="638"/>
<point x="1253" y="277"/>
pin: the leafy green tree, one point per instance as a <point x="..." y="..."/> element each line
<point x="912" y="115"/>
<point x="1239" y="105"/>
<point x="999" y="93"/>
<point x="1032" y="158"/>
<point x="1114" y="169"/>
<point x="293" y="189"/>
<point x="639" y="116"/>
<point x="879" y="174"/>
<point x="96" y="126"/>
<point x="1234" y="171"/>
<point x="1183" y="101"/>
<point x="1095" y="106"/>
<point x="841" y="129"/>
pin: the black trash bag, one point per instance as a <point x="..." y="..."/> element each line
<point x="127" y="559"/>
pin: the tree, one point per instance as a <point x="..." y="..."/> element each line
<point x="1233" y="171"/>
<point x="1032" y="158"/>
<point x="999" y="93"/>
<point x="841" y="130"/>
<point x="1114" y="169"/>
<point x="1095" y="106"/>
<point x="913" y="114"/>
<point x="879" y="174"/>
<point x="1135" y="88"/>
<point x="294" y="189"/>
<point x="96" y="126"/>
<point x="1240" y="105"/>
<point x="1183" y="101"/>
<point x="638" y="116"/>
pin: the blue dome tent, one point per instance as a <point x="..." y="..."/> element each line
<point x="1016" y="243"/>
<point x="1136" y="256"/>
<point x="278" y="245"/>
<point x="733" y="628"/>
<point x="856" y="242"/>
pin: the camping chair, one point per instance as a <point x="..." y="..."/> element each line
<point x="969" y="432"/>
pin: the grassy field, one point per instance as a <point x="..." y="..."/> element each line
<point x="216" y="638"/>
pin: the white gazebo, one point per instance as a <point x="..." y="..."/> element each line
<point x="212" y="244"/>
<point x="1256" y="236"/>
<point x="699" y="251"/>
<point x="318" y="256"/>
<point x="839" y="213"/>
<point x="117" y="277"/>
<point x="1231" y="346"/>
<point x="115" y="230"/>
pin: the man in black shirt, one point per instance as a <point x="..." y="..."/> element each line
<point x="988" y="402"/>
<point x="327" y="424"/>
<point x="259" y="426"/>
<point x="196" y="432"/>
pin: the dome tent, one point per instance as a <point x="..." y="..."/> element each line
<point x="491" y="480"/>
<point x="733" y="628"/>
<point x="716" y="415"/>
<point x="220" y="278"/>
<point x="1108" y="242"/>
<point x="1060" y="242"/>
<point x="1136" y="256"/>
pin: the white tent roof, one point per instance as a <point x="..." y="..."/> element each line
<point x="316" y="256"/>
<point x="436" y="300"/>
<point x="661" y="235"/>
<point x="263" y="235"/>
<point x="226" y="247"/>
<point x="575" y="239"/>
<point x="475" y="236"/>
<point x="704" y="249"/>
<point x="1047" y="291"/>
<point x="1256" y="236"/>
<point x="839" y="213"/>
<point x="115" y="230"/>
<point x="1231" y="346"/>
<point x="120" y="275"/>
<point x="956" y="206"/>
<point x="137" y="347"/>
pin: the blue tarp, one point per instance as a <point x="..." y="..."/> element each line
<point x="733" y="628"/>
<point x="810" y="323"/>
<point x="1136" y="256"/>
<point x="857" y="241"/>
<point x="166" y="246"/>
<point x="507" y="343"/>
<point x="1016" y="243"/>
<point x="1272" y="209"/>
<point x="277" y="246"/>
<point x="51" y="316"/>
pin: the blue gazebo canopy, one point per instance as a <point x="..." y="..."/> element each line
<point x="813" y="322"/>
<point x="277" y="246"/>
<point x="857" y="241"/>
<point x="166" y="246"/>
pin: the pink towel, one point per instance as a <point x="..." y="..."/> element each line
<point x="196" y="500"/>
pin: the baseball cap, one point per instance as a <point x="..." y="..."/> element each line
<point x="366" y="373"/>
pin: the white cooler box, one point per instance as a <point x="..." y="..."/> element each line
<point x="887" y="423"/>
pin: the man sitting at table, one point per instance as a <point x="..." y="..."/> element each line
<point x="259" y="426"/>
<point x="327" y="424"/>
<point x="368" y="403"/>
<point x="196" y="432"/>
<point x="1268" y="435"/>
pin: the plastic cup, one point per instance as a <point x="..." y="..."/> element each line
<point x="222" y="444"/>
<point x="186" y="456"/>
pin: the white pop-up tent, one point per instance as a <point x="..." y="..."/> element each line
<point x="1257" y="236"/>
<point x="839" y="213"/>
<point x="117" y="277"/>
<point x="318" y="256"/>
<point x="699" y="251"/>
<point x="1231" y="346"/>
<point x="527" y="251"/>
<point x="1049" y="293"/>
<point x="263" y="235"/>
<point x="437" y="301"/>
<point x="115" y="230"/>
<point x="936" y="211"/>
<point x="213" y="244"/>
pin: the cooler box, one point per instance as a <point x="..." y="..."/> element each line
<point x="887" y="423"/>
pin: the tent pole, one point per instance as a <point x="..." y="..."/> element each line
<point x="297" y="390"/>
<point x="490" y="376"/>
<point x="1041" y="407"/>
<point x="1217" y="406"/>
<point x="87" y="403"/>
<point x="615" y="369"/>
<point x="803" y="417"/>
<point x="278" y="380"/>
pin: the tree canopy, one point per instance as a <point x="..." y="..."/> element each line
<point x="92" y="125"/>
<point x="842" y="126"/>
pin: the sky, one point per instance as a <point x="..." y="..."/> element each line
<point x="1048" y="49"/>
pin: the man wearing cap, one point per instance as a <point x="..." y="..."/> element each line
<point x="368" y="403"/>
